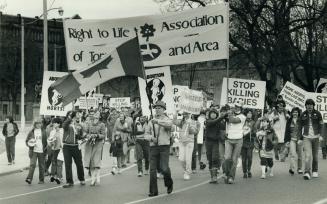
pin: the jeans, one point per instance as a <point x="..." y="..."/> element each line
<point x="70" y="153"/>
<point x="232" y="153"/>
<point x="54" y="162"/>
<point x="10" y="148"/>
<point x="279" y="150"/>
<point x="185" y="156"/>
<point x="197" y="149"/>
<point x="311" y="147"/>
<point x="212" y="148"/>
<point x="142" y="149"/>
<point x="48" y="161"/>
<point x="221" y="153"/>
<point x="161" y="154"/>
<point x="33" y="158"/>
<point x="247" y="154"/>
<point x="295" y="155"/>
<point x="117" y="162"/>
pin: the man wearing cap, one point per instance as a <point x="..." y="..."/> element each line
<point x="279" y="118"/>
<point x="310" y="133"/>
<point x="234" y="141"/>
<point x="158" y="132"/>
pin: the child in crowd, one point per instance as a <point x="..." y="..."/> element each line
<point x="116" y="151"/>
<point x="266" y="139"/>
<point x="55" y="143"/>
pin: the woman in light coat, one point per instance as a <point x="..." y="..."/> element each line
<point x="95" y="134"/>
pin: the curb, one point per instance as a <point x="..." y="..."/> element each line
<point x="14" y="171"/>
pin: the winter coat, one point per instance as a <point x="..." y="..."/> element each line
<point x="93" y="148"/>
<point x="249" y="134"/>
<point x="317" y="123"/>
<point x="5" y="132"/>
<point x="289" y="129"/>
<point x="188" y="130"/>
<point x="70" y="136"/>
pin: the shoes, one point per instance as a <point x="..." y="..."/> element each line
<point x="315" y="175"/>
<point x="152" y="194"/>
<point x="113" y="171"/>
<point x="194" y="172"/>
<point x="291" y="172"/>
<point x="263" y="176"/>
<point x="52" y="179"/>
<point x="41" y="182"/>
<point x="245" y="175"/>
<point x="159" y="175"/>
<point x="13" y="162"/>
<point x="123" y="166"/>
<point x="306" y="176"/>
<point x="58" y="181"/>
<point x="68" y="185"/>
<point x="186" y="176"/>
<point x="140" y="174"/>
<point x="230" y="180"/>
<point x="29" y="181"/>
<point x="299" y="171"/>
<point x="9" y="163"/>
<point x="170" y="189"/>
<point x="249" y="175"/>
<point x="202" y="165"/>
<point x="82" y="183"/>
<point x="146" y="172"/>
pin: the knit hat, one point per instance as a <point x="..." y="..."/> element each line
<point x="160" y="104"/>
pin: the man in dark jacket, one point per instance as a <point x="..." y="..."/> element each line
<point x="10" y="131"/>
<point x="73" y="132"/>
<point x="310" y="132"/>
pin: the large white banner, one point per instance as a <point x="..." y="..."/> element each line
<point x="191" y="101"/>
<point x="51" y="100"/>
<point x="193" y="35"/>
<point x="293" y="96"/>
<point x="158" y="87"/>
<point x="250" y="92"/>
<point x="87" y="103"/>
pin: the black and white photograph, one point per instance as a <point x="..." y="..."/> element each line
<point x="163" y="101"/>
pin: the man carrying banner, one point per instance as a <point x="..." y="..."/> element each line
<point x="234" y="141"/>
<point x="310" y="133"/>
<point x="159" y="133"/>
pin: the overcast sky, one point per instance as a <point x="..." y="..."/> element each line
<point x="87" y="9"/>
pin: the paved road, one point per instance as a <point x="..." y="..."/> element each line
<point x="128" y="188"/>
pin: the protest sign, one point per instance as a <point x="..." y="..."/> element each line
<point x="320" y="100"/>
<point x="191" y="101"/>
<point x="87" y="103"/>
<point x="177" y="89"/>
<point x="322" y="86"/>
<point x="250" y="92"/>
<point x="158" y="87"/>
<point x="51" y="100"/>
<point x="99" y="97"/>
<point x="293" y="96"/>
<point x="193" y="35"/>
<point x="118" y="103"/>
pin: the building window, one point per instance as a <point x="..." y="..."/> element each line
<point x="5" y="109"/>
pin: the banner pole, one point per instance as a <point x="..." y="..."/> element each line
<point x="227" y="51"/>
<point x="146" y="80"/>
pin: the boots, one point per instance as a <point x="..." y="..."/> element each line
<point x="92" y="177"/>
<point x="213" y="173"/>
<point x="97" y="174"/>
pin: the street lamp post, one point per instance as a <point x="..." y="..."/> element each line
<point x="45" y="36"/>
<point x="22" y="95"/>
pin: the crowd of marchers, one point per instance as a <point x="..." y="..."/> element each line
<point x="228" y="134"/>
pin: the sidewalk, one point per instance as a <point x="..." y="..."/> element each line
<point x="21" y="155"/>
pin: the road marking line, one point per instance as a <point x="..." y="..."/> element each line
<point x="323" y="201"/>
<point x="174" y="192"/>
<point x="48" y="189"/>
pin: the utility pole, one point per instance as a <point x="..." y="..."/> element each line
<point x="22" y="94"/>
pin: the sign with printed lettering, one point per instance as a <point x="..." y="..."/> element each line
<point x="118" y="103"/>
